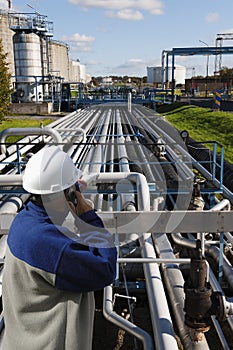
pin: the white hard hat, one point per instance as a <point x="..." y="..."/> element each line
<point x="49" y="171"/>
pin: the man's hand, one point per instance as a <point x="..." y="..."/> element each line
<point x="82" y="207"/>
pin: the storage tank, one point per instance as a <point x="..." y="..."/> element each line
<point x="180" y="74"/>
<point x="59" y="59"/>
<point x="28" y="66"/>
<point x="83" y="73"/>
<point x="75" y="71"/>
<point x="150" y="75"/>
<point x="6" y="35"/>
<point x="155" y="74"/>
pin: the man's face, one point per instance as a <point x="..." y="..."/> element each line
<point x="57" y="202"/>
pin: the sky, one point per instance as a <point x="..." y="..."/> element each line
<point x="124" y="37"/>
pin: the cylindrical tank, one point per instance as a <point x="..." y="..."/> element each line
<point x="83" y="73"/>
<point x="75" y="71"/>
<point x="59" y="59"/>
<point x="28" y="66"/>
<point x="155" y="74"/>
<point x="27" y="53"/>
<point x="6" y="35"/>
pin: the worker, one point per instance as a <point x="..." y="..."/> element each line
<point x="51" y="272"/>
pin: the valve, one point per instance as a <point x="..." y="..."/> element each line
<point x="160" y="149"/>
<point x="201" y="302"/>
<point x="198" y="294"/>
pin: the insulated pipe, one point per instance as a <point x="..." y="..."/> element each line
<point x="127" y="199"/>
<point x="11" y="205"/>
<point x="184" y="171"/>
<point x="160" y="316"/>
<point x="90" y="120"/>
<point x="121" y="322"/>
<point x="130" y="102"/>
<point x="222" y="205"/>
<point x="140" y="180"/>
<point x="12" y="148"/>
<point x="9" y="179"/>
<point x="95" y="157"/>
<point x="108" y="303"/>
<point x="161" y="320"/>
<point x="74" y="134"/>
<point x="28" y="131"/>
<point x="71" y="137"/>
<point x="174" y="282"/>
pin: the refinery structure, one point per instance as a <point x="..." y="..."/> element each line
<point x="168" y="204"/>
<point x="165" y="199"/>
<point x="39" y="65"/>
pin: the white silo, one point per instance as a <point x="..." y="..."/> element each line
<point x="6" y="35"/>
<point x="75" y="71"/>
<point x="28" y="66"/>
<point x="179" y="74"/>
<point x="83" y="73"/>
<point x="155" y="74"/>
<point x="59" y="59"/>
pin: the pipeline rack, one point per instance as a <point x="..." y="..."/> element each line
<point x="160" y="204"/>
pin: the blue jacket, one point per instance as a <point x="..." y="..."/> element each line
<point x="48" y="279"/>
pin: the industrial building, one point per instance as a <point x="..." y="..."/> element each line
<point x="165" y="199"/>
<point x="39" y="65"/>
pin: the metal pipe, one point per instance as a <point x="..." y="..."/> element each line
<point x="11" y="205"/>
<point x="74" y="134"/>
<point x="160" y="316"/>
<point x="221" y="205"/>
<point x="9" y="179"/>
<point x="28" y="131"/>
<point x="23" y="147"/>
<point x="130" y="102"/>
<point x="127" y="199"/>
<point x="140" y="180"/>
<point x="184" y="171"/>
<point x="88" y="123"/>
<point x="161" y="320"/>
<point x="164" y="335"/>
<point x="113" y="317"/>
<point x="174" y="282"/>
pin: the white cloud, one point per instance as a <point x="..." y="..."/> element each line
<point x="212" y="17"/>
<point x="126" y="14"/>
<point x="136" y="60"/>
<point x="134" y="66"/>
<point x="79" y="41"/>
<point x="124" y="9"/>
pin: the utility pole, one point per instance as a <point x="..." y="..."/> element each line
<point x="9" y="3"/>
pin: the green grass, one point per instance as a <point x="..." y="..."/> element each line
<point x="21" y="123"/>
<point x="203" y="124"/>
